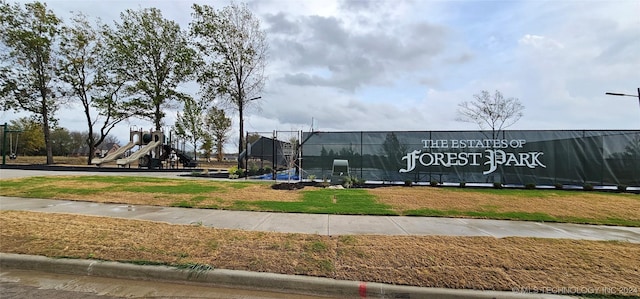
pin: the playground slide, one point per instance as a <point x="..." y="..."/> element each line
<point x="135" y="156"/>
<point x="114" y="155"/>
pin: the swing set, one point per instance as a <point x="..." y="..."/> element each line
<point x="13" y="151"/>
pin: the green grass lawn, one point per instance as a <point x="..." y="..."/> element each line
<point x="324" y="201"/>
<point x="237" y="195"/>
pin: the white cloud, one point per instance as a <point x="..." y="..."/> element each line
<point x="405" y="65"/>
<point x="540" y="42"/>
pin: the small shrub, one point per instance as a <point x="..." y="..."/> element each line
<point x="253" y="170"/>
<point x="348" y="182"/>
<point x="433" y="183"/>
<point x="233" y="169"/>
<point x="408" y="183"/>
<point x="240" y="172"/>
<point x="462" y="184"/>
<point x="558" y="186"/>
<point x="497" y="185"/>
<point x="587" y="187"/>
<point x="622" y="188"/>
<point x="233" y="172"/>
<point x="530" y="186"/>
<point x="311" y="177"/>
<point x="267" y="169"/>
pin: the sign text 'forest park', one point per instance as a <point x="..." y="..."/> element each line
<point x="496" y="152"/>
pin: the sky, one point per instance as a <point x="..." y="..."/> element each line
<point x="397" y="65"/>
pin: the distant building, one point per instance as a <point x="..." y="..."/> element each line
<point x="101" y="151"/>
<point x="229" y="157"/>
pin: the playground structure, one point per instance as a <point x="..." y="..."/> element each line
<point x="154" y="151"/>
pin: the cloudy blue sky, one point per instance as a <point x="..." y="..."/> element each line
<point x="406" y="65"/>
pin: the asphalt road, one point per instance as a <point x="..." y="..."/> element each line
<point x="20" y="284"/>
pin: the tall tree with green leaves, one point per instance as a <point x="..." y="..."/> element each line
<point x="235" y="48"/>
<point x="29" y="141"/>
<point x="83" y="67"/>
<point x="217" y="128"/>
<point x="154" y="57"/>
<point x="189" y="123"/>
<point x="27" y="68"/>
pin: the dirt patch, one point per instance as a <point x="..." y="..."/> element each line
<point x="287" y="186"/>
<point x="451" y="262"/>
<point x="259" y="192"/>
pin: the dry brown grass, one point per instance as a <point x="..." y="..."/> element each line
<point x="58" y="160"/>
<point x="558" y="205"/>
<point x="594" y="205"/>
<point x="222" y="196"/>
<point x="452" y="262"/>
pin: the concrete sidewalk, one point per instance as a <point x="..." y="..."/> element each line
<point x="329" y="224"/>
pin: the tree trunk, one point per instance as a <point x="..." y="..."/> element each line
<point x="158" y="116"/>
<point x="45" y="128"/>
<point x="240" y="164"/>
<point x="90" y="143"/>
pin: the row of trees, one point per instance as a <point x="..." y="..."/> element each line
<point x="133" y="68"/>
<point x="30" y="141"/>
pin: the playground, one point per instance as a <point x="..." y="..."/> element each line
<point x="154" y="151"/>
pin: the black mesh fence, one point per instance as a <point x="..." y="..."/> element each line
<point x="510" y="157"/>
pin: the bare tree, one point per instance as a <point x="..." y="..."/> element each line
<point x="492" y="112"/>
<point x="235" y="48"/>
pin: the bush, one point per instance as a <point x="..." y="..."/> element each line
<point x="253" y="170"/>
<point x="267" y="169"/>
<point x="357" y="182"/>
<point x="587" y="187"/>
<point x="408" y="183"/>
<point x="433" y="183"/>
<point x="311" y="177"/>
<point x="558" y="186"/>
<point x="622" y="188"/>
<point x="348" y="182"/>
<point x="497" y="185"/>
<point x="233" y="172"/>
<point x="530" y="186"/>
<point x="462" y="184"/>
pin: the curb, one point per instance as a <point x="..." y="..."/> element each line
<point x="245" y="279"/>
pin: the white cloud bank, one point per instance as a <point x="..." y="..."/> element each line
<point x="405" y="65"/>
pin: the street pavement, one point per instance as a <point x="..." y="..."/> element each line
<point x="20" y="284"/>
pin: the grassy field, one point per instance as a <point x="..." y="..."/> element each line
<point x="482" y="263"/>
<point x="600" y="268"/>
<point x="531" y="205"/>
